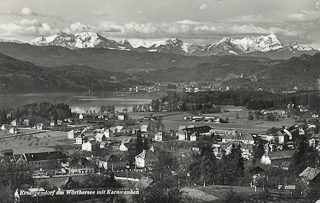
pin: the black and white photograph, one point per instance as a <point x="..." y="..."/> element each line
<point x="159" y="101"/>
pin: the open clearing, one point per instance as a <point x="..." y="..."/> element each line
<point x="172" y="120"/>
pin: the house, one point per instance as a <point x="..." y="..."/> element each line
<point x="120" y="117"/>
<point x="39" y="126"/>
<point x="100" y="137"/>
<point x="81" y="138"/>
<point x="126" y="144"/>
<point x="158" y="137"/>
<point x="26" y="122"/>
<point x="71" y="134"/>
<point x="193" y="137"/>
<point x="144" y="128"/>
<point x="182" y="135"/>
<point x="145" y="159"/>
<point x="5" y="127"/>
<point x="59" y="122"/>
<point x="52" y="123"/>
<point x="14" y="130"/>
<point x="108" y="133"/>
<point x="185" y="134"/>
<point x="45" y="160"/>
<point x="7" y="152"/>
<point x="310" y="175"/>
<point x="223" y="133"/>
<point x="14" y="123"/>
<point x="117" y="129"/>
<point x="242" y="137"/>
<point x="278" y="158"/>
<point x="116" y="162"/>
<point x="80" y="166"/>
<point x="90" y="146"/>
<point x="103" y="145"/>
<point x="81" y="116"/>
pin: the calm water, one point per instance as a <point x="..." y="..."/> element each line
<point x="81" y="103"/>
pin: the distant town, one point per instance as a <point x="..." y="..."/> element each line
<point x="186" y="148"/>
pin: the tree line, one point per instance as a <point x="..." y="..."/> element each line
<point x="256" y="100"/>
<point x="36" y="113"/>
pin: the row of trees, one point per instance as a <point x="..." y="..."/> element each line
<point x="251" y="99"/>
<point x="36" y="113"/>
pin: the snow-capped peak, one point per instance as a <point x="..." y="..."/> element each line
<point x="261" y="43"/>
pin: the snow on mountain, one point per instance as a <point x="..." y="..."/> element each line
<point x="262" y="43"/>
<point x="268" y="45"/>
<point x="9" y="40"/>
<point x="136" y="43"/>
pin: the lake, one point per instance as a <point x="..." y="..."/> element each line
<point x="81" y="102"/>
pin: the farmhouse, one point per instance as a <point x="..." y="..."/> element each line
<point x="190" y="132"/>
<point x="80" y="166"/>
<point x="145" y="159"/>
<point x="278" y="158"/>
<point x="116" y="162"/>
<point x="90" y="146"/>
<point x="144" y="128"/>
<point x="242" y="137"/>
<point x="158" y="137"/>
<point x="310" y="175"/>
<point x="100" y="137"/>
<point x="45" y="160"/>
<point x="71" y="134"/>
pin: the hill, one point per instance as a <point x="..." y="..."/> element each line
<point x="301" y="72"/>
<point x="21" y="76"/>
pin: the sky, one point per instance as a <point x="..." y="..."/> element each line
<point x="195" y="21"/>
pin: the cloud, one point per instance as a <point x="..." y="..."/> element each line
<point x="80" y="27"/>
<point x="27" y="11"/>
<point x="31" y="27"/>
<point x="202" y="6"/>
<point x="189" y="28"/>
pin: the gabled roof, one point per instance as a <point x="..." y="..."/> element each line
<point x="281" y="154"/>
<point x="100" y="135"/>
<point x="45" y="156"/>
<point x="7" y="151"/>
<point x="126" y="140"/>
<point x="79" y="162"/>
<point x="310" y="173"/>
<point x="147" y="155"/>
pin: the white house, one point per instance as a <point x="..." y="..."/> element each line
<point x="52" y="123"/>
<point x="71" y="134"/>
<point x="158" y="137"/>
<point x="90" y="146"/>
<point x="108" y="133"/>
<point x="14" y="122"/>
<point x="145" y="159"/>
<point x="117" y="129"/>
<point x="182" y="135"/>
<point x="124" y="146"/>
<point x="120" y="117"/>
<point x="39" y="126"/>
<point x="13" y="130"/>
<point x="81" y="116"/>
<point x="100" y="137"/>
<point x="144" y="128"/>
<point x="193" y="137"/>
<point x="80" y="139"/>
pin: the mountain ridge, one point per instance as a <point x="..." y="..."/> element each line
<point x="268" y="45"/>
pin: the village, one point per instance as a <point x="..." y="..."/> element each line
<point x="127" y="143"/>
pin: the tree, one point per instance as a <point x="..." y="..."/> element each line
<point x="258" y="150"/>
<point x="139" y="144"/>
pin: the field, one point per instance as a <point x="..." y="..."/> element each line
<point x="172" y="120"/>
<point x="28" y="142"/>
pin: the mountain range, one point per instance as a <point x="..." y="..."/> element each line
<point x="262" y="46"/>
